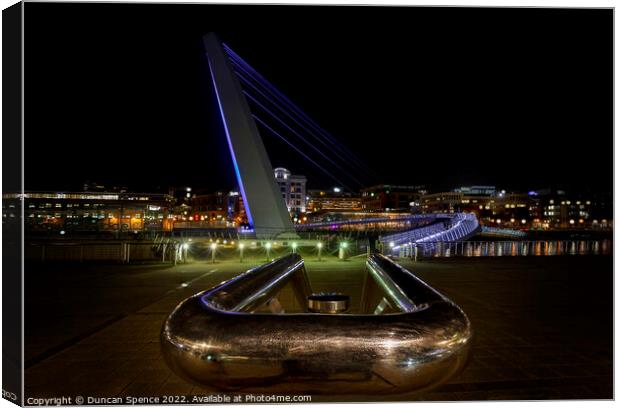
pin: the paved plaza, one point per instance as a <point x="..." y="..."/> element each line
<point x="543" y="324"/>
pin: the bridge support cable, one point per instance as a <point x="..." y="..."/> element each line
<point x="254" y="100"/>
<point x="269" y="128"/>
<point x="276" y="92"/>
<point x="334" y="162"/>
<point x="277" y="105"/>
<point x="247" y="74"/>
<point x="271" y="114"/>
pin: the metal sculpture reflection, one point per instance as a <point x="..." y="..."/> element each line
<point x="215" y="340"/>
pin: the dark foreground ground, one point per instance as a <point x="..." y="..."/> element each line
<point x="543" y="325"/>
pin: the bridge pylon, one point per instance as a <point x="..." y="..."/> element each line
<point x="264" y="206"/>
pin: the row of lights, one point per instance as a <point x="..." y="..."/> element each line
<point x="268" y="245"/>
<point x="213" y="247"/>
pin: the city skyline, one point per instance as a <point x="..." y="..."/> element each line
<point x="135" y="106"/>
<point x="98" y="185"/>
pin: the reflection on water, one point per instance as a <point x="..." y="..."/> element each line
<point x="517" y="248"/>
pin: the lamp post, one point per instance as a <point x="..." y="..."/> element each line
<point x="268" y="248"/>
<point x="294" y="247"/>
<point x="342" y="251"/>
<point x="319" y="245"/>
<point x="213" y="248"/>
<point x="241" y="251"/>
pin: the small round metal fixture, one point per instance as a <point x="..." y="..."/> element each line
<point x="329" y="303"/>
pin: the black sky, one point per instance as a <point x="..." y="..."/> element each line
<point x="518" y="98"/>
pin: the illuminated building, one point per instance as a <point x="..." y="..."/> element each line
<point x="330" y="200"/>
<point x="559" y="210"/>
<point x="542" y="209"/>
<point x="213" y="210"/>
<point x="89" y="211"/>
<point x="293" y="189"/>
<point x="386" y="197"/>
<point x="477" y="190"/>
<point x="447" y="202"/>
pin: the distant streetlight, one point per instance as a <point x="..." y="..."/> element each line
<point x="213" y="248"/>
<point x="294" y="246"/>
<point x="241" y="246"/>
<point x="319" y="246"/>
<point x="268" y="248"/>
<point x="185" y="247"/>
<point x="342" y="251"/>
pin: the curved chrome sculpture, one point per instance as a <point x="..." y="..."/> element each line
<point x="214" y="340"/>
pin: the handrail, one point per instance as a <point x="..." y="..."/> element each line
<point x="214" y="340"/>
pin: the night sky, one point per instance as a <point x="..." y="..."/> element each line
<point x="518" y="98"/>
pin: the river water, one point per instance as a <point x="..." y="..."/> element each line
<point x="519" y="248"/>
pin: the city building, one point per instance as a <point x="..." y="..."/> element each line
<point x="66" y="212"/>
<point x="293" y="189"/>
<point x="476" y="190"/>
<point x="556" y="209"/>
<point x="384" y="197"/>
<point x="212" y="210"/>
<point x="447" y="202"/>
<point x="333" y="200"/>
<point x="542" y="209"/>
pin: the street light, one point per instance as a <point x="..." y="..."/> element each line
<point x="184" y="249"/>
<point x="342" y="250"/>
<point x="213" y="248"/>
<point x="294" y="246"/>
<point x="241" y="251"/>
<point x="268" y="247"/>
<point x="319" y="245"/>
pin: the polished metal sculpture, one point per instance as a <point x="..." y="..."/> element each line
<point x="213" y="338"/>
